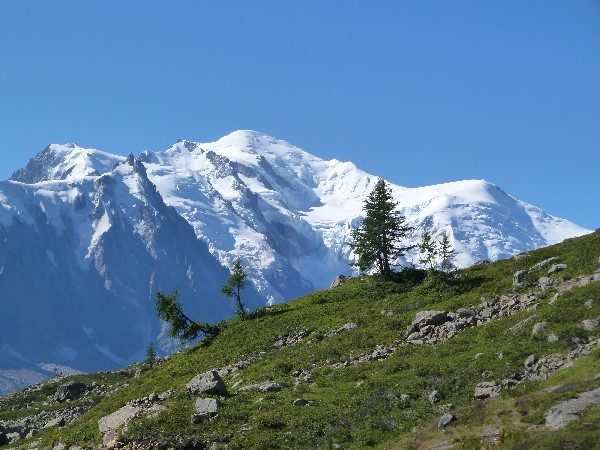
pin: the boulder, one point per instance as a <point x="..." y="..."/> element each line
<point x="556" y="268"/>
<point x="69" y="391"/>
<point x="518" y="277"/>
<point x="446" y="420"/>
<point x="487" y="389"/>
<point x="300" y="402"/>
<point x="205" y="408"/>
<point x="543" y="264"/>
<point x="569" y="410"/>
<point x="424" y="318"/>
<point x="346" y="327"/>
<point x="530" y="361"/>
<point x="207" y="383"/>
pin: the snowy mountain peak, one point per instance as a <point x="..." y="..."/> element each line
<point x="67" y="162"/>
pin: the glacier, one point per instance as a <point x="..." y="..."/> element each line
<point x="87" y="238"/>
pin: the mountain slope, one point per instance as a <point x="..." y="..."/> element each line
<point x="350" y="376"/>
<point x="86" y="238"/>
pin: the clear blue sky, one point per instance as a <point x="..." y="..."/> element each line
<point x="419" y="92"/>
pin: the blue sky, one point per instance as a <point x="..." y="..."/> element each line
<point x="419" y="92"/>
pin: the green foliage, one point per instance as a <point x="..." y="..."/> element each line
<point x="182" y="327"/>
<point x="235" y="283"/>
<point x="361" y="405"/>
<point x="377" y="241"/>
<point x="150" y="356"/>
<point x="436" y="254"/>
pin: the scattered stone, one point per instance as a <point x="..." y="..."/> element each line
<point x="386" y="313"/>
<point x="165" y="395"/>
<point x="153" y="397"/>
<point x="482" y="262"/>
<point x="552" y="337"/>
<point x="556" y="268"/>
<point x="346" y="327"/>
<point x="207" y="383"/>
<point x="590" y="324"/>
<point x="554" y="298"/>
<point x="267" y="386"/>
<point x="424" y="318"/>
<point x="205" y="409"/>
<point x="543" y="264"/>
<point x="300" y="402"/>
<point x="486" y="389"/>
<point x="69" y="391"/>
<point x="284" y="341"/>
<point x="518" y="277"/>
<point x="405" y="398"/>
<point x="433" y="397"/>
<point x="567" y="411"/>
<point x="547" y="283"/>
<point x="589" y="304"/>
<point x="445" y="420"/>
<point x="479" y="355"/>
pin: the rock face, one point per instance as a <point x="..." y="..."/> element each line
<point x="267" y="386"/>
<point x="207" y="383"/>
<point x="558" y="416"/>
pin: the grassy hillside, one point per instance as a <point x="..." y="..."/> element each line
<point x="366" y="386"/>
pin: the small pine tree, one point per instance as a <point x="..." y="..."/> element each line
<point x="446" y="253"/>
<point x="150" y="356"/>
<point x="377" y="240"/>
<point x="428" y="251"/>
<point x="234" y="286"/>
<point x="182" y="327"/>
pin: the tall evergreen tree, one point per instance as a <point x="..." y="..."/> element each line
<point x="234" y="286"/>
<point x="428" y="251"/>
<point x="377" y="241"/>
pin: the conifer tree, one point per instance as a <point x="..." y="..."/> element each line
<point x="182" y="327"/>
<point x="150" y="356"/>
<point x="428" y="251"/>
<point x="446" y="254"/>
<point x="234" y="286"/>
<point x="377" y="241"/>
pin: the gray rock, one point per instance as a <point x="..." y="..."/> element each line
<point x="57" y="422"/>
<point x="590" y="324"/>
<point x="487" y="389"/>
<point x="69" y="391"/>
<point x="554" y="298"/>
<point x="589" y="304"/>
<point x="567" y="411"/>
<point x="267" y="386"/>
<point x="446" y="420"/>
<point x="109" y="425"/>
<point x="433" y="397"/>
<point x="300" y="402"/>
<point x="207" y="383"/>
<point x="153" y="397"/>
<point x="556" y="268"/>
<point x="530" y="361"/>
<point x="207" y="406"/>
<point x="424" y="318"/>
<point x="464" y="312"/>
<point x="543" y="264"/>
<point x="552" y="337"/>
<point x="518" y="277"/>
<point x="539" y="328"/>
<point x="346" y="327"/>
<point x="339" y="280"/>
<point x="545" y="283"/>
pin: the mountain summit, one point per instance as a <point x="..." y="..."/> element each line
<point x="87" y="238"/>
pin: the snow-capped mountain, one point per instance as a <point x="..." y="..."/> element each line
<point x="86" y="238"/>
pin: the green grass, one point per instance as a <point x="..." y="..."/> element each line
<point x="360" y="406"/>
